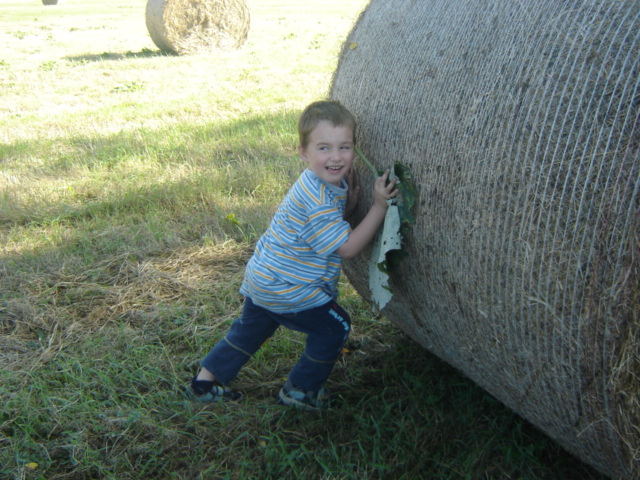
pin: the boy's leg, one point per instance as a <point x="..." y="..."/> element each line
<point x="327" y="329"/>
<point x="246" y="335"/>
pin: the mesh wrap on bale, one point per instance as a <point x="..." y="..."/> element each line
<point x="193" y="26"/>
<point x="520" y="124"/>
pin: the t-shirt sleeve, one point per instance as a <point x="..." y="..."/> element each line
<point x="325" y="230"/>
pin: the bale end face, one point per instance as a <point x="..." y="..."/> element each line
<point x="183" y="27"/>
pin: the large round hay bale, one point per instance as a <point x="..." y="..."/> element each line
<point x="520" y="122"/>
<point x="191" y="26"/>
<point x="49" y="2"/>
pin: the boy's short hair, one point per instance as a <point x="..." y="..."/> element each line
<point x="329" y="110"/>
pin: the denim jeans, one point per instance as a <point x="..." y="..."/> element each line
<point x="327" y="328"/>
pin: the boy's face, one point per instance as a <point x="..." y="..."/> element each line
<point x="330" y="151"/>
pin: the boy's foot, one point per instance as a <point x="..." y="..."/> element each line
<point x="291" y="396"/>
<point x="211" y="392"/>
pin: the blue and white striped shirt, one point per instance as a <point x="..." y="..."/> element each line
<point x="295" y="265"/>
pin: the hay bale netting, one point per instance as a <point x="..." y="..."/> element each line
<point x="188" y="26"/>
<point x="520" y="123"/>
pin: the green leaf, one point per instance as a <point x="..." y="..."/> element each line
<point x="407" y="194"/>
<point x="387" y="240"/>
<point x="387" y="245"/>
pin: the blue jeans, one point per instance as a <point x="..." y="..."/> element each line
<point x="327" y="328"/>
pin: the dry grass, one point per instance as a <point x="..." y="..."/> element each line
<point x="62" y="308"/>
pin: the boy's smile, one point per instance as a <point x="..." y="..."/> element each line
<point x="329" y="152"/>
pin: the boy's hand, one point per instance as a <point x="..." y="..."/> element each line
<point x="353" y="194"/>
<point x="383" y="190"/>
<point x="364" y="232"/>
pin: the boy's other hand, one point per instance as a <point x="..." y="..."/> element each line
<point x="383" y="190"/>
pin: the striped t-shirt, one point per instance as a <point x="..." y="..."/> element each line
<point x="295" y="265"/>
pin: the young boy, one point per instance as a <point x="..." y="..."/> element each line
<point x="291" y="279"/>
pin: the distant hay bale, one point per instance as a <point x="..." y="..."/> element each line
<point x="49" y="2"/>
<point x="191" y="26"/>
<point x="520" y="122"/>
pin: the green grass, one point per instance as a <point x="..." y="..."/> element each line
<point x="133" y="185"/>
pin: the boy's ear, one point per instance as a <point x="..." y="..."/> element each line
<point x="302" y="152"/>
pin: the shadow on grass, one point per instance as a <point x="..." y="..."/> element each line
<point x="139" y="218"/>
<point x="402" y="413"/>
<point x="232" y="148"/>
<point x="173" y="144"/>
<point x="100" y="57"/>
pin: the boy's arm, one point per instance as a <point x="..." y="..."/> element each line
<point x="367" y="228"/>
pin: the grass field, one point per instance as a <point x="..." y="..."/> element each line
<point x="132" y="187"/>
